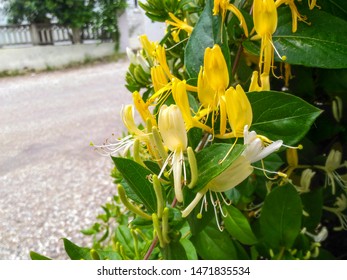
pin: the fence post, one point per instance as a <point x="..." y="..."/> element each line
<point x="35" y="39"/>
<point x="123" y="28"/>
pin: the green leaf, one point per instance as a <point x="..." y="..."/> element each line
<point x="189" y="249"/>
<point x="281" y="116"/>
<point x="321" y="44"/>
<point x="206" y="33"/>
<point x="126" y="240"/>
<point x="108" y="255"/>
<point x="136" y="176"/>
<point x="280" y="220"/>
<point x="208" y="161"/>
<point x="212" y="244"/>
<point x="313" y="206"/>
<point x="238" y="226"/>
<point x="174" y="251"/>
<point x="37" y="257"/>
<point x="75" y="252"/>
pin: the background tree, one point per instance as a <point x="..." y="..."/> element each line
<point x="72" y="13"/>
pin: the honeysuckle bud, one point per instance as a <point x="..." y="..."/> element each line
<point x="133" y="208"/>
<point x="292" y="157"/>
<point x="337" y="107"/>
<point x="215" y="69"/>
<point x="159" y="195"/>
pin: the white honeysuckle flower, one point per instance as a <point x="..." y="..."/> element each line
<point x="332" y="163"/>
<point x="319" y="237"/>
<point x="255" y="148"/>
<point x="131" y="56"/>
<point x="305" y="181"/>
<point x="114" y="146"/>
<point x="235" y="174"/>
<point x="341" y="206"/>
<point x="172" y="129"/>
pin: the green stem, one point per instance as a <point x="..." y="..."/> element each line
<point x="280" y="255"/>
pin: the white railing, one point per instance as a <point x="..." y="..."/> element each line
<point x="48" y="34"/>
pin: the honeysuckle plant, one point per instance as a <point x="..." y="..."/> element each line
<point x="240" y="151"/>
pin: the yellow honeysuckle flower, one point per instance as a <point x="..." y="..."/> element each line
<point x="142" y="108"/>
<point x="312" y="4"/>
<point x="221" y="7"/>
<point x="264" y="79"/>
<point x="206" y="94"/>
<point x="215" y="69"/>
<point x="148" y="46"/>
<point x="159" y="78"/>
<point x="179" y="93"/>
<point x="180" y="96"/>
<point x="239" y="110"/>
<point x="178" y="25"/>
<point x="295" y="13"/>
<point x="172" y="129"/>
<point x="265" y="24"/>
<point x="161" y="60"/>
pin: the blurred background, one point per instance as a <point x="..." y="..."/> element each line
<point x="62" y="71"/>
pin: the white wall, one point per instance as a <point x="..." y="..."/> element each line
<point x="43" y="57"/>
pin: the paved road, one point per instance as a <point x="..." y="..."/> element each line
<point x="51" y="180"/>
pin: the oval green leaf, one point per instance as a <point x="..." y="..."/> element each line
<point x="136" y="177"/>
<point x="280" y="220"/>
<point x="281" y="116"/>
<point x="238" y="226"/>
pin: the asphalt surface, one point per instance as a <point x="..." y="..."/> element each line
<point x="52" y="182"/>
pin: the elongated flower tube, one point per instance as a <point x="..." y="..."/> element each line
<point x="215" y="69"/>
<point x="172" y="129"/>
<point x="236" y="173"/>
